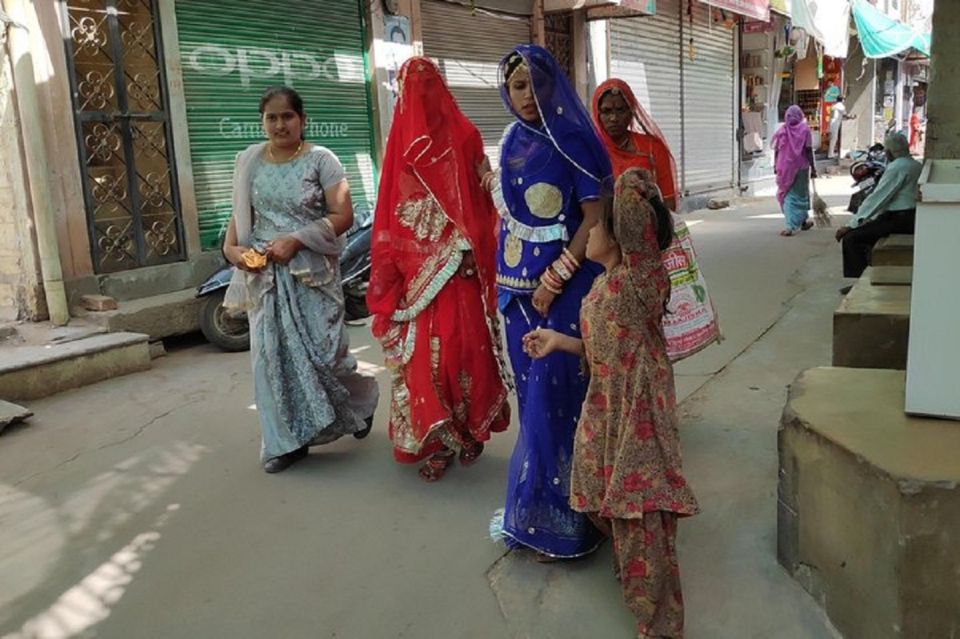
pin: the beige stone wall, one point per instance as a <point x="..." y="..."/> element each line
<point x="20" y="288"/>
<point x="943" y="123"/>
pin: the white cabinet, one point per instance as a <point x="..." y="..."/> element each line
<point x="933" y="361"/>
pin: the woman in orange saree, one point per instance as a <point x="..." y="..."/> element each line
<point x="634" y="141"/>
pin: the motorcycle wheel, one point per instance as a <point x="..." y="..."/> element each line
<point x="355" y="303"/>
<point x="229" y="333"/>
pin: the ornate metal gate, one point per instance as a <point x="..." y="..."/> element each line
<point x="559" y="35"/>
<point x="118" y="83"/>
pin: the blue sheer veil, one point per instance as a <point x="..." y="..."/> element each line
<point x="564" y="121"/>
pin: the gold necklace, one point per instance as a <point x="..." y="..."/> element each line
<point x="295" y="153"/>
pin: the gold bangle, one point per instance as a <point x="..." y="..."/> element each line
<point x="571" y="266"/>
<point x="571" y="257"/>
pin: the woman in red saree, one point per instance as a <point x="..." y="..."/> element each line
<point x="432" y="285"/>
<point x="634" y="141"/>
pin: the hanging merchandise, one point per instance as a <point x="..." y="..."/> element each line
<point x="827" y="22"/>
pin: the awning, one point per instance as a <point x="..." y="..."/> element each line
<point x="882" y="36"/>
<point x="826" y="22"/>
<point x="603" y="9"/>
<point x="759" y="9"/>
<point x="780" y="6"/>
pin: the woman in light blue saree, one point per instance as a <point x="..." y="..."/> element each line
<point x="291" y="203"/>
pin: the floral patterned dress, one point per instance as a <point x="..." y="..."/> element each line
<point x="627" y="449"/>
<point x="627" y="471"/>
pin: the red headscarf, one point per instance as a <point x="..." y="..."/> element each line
<point x="652" y="151"/>
<point x="433" y="150"/>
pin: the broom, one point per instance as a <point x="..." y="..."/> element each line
<point x="821" y="215"/>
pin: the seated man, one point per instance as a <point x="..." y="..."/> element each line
<point x="891" y="208"/>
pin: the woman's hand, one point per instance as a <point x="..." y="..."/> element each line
<point x="468" y="267"/>
<point x="234" y="255"/>
<point x="542" y="299"/>
<point x="283" y="249"/>
<point x="542" y="342"/>
<point x="488" y="181"/>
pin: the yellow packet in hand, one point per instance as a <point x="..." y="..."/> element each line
<point x="253" y="259"/>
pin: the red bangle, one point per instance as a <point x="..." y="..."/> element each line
<point x="551" y="279"/>
<point x="555" y="291"/>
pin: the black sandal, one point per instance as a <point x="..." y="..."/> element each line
<point x="283" y="462"/>
<point x="360" y="434"/>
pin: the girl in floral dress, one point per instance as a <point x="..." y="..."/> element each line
<point x="627" y="473"/>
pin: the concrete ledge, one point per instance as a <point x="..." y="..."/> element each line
<point x="895" y="250"/>
<point x="869" y="505"/>
<point x="891" y="275"/>
<point x="32" y="372"/>
<point x="147" y="282"/>
<point x="871" y="327"/>
<point x="158" y="317"/>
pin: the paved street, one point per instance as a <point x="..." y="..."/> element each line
<point x="137" y="507"/>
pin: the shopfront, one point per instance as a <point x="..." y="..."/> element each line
<point x="230" y="52"/>
<point x="765" y="85"/>
<point x="681" y="65"/>
<point x="468" y="44"/>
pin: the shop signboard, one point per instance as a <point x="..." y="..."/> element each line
<point x="757" y="26"/>
<point x="758" y="9"/>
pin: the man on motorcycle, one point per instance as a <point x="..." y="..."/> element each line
<point x="891" y="208"/>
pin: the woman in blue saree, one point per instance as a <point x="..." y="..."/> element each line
<point x="553" y="172"/>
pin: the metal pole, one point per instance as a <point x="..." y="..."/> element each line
<point x="35" y="154"/>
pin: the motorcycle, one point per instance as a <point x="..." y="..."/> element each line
<point x="230" y="330"/>
<point x="866" y="172"/>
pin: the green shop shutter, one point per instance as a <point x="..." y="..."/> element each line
<point x="231" y="50"/>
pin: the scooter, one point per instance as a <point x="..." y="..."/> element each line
<point x="230" y="330"/>
<point x="866" y="172"/>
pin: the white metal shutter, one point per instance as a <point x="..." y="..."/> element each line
<point x="468" y="47"/>
<point x="708" y="105"/>
<point x="645" y="52"/>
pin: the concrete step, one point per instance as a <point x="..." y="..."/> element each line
<point x="31" y="371"/>
<point x="894" y="250"/>
<point x="871" y="327"/>
<point x="158" y="316"/>
<point x="891" y="275"/>
<point x="869" y="504"/>
<point x="12" y="414"/>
